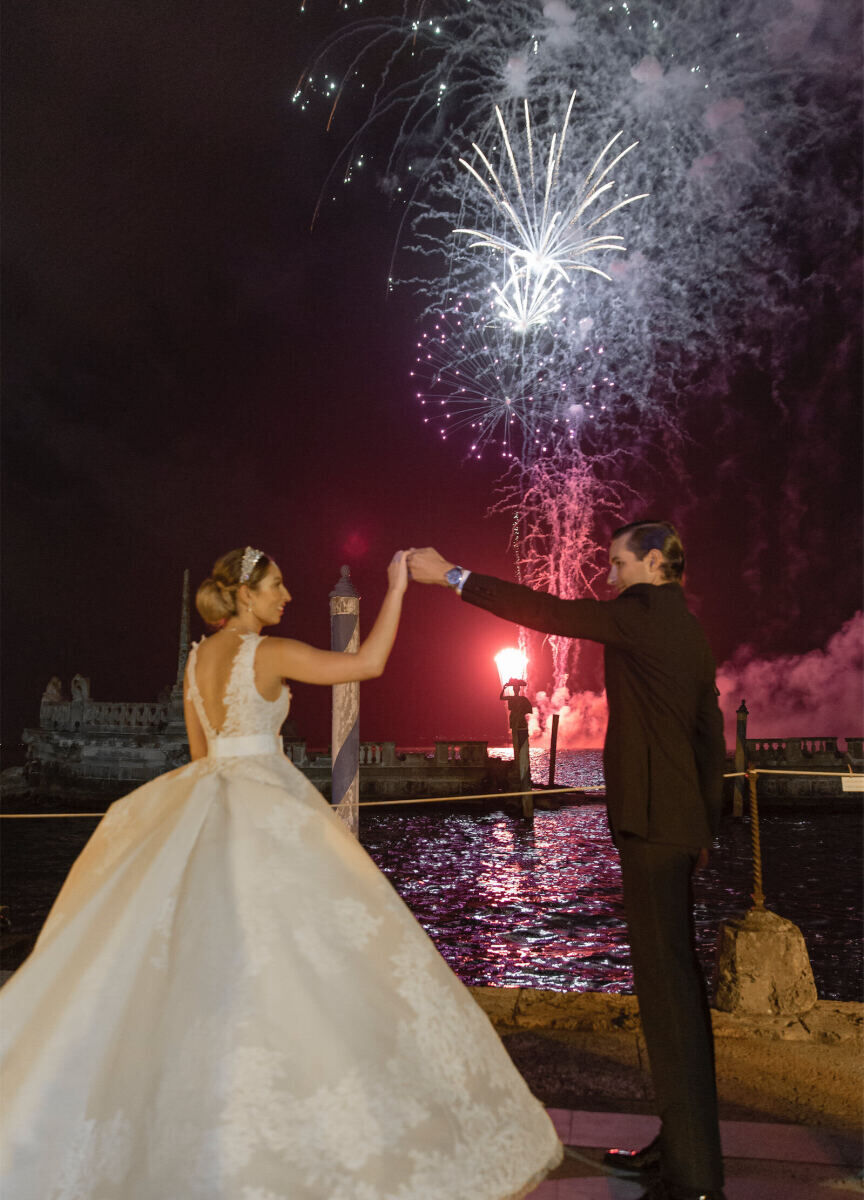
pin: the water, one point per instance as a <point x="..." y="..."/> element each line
<point x="511" y="906"/>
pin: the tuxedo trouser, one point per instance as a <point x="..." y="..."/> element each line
<point x="673" y="1006"/>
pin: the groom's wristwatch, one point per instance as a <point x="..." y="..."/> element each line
<point x="456" y="577"/>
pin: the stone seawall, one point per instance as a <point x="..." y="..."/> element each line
<point x="586" y="1050"/>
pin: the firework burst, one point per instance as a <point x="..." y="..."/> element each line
<point x="547" y="221"/>
<point x="502" y="398"/>
<point x="512" y="397"/>
<point x="742" y="111"/>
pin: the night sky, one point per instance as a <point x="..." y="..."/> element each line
<point x="189" y="368"/>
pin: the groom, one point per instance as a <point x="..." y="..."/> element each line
<point x="663" y="761"/>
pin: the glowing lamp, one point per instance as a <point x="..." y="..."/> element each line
<point x="511" y="664"/>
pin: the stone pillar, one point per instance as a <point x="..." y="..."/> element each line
<point x="741" y="716"/>
<point x="522" y="760"/>
<point x="345" y="636"/>
<point x="183" y="647"/>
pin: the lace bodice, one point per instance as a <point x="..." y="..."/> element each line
<point x="246" y="710"/>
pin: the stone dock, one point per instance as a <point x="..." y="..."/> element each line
<point x="581" y="1050"/>
<point x="585" y="1050"/>
<point x="790" y="1092"/>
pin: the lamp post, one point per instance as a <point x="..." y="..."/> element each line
<point x="512" y="668"/>
<point x="512" y="664"/>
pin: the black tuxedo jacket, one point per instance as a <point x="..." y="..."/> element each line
<point x="664" y="755"/>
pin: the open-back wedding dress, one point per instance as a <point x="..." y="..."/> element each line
<point x="229" y="1001"/>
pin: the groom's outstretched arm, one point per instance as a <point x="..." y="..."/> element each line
<point x="593" y="619"/>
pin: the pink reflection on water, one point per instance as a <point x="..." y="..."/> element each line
<point x="512" y="906"/>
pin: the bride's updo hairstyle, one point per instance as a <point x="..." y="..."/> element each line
<point x="216" y="598"/>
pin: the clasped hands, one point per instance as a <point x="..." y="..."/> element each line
<point x="423" y="566"/>
<point x="428" y="566"/>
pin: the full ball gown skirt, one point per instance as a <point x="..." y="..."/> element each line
<point x="229" y="1001"/>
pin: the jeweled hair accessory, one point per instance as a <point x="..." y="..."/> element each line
<point x="249" y="562"/>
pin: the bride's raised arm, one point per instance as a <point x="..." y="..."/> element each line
<point x="307" y="664"/>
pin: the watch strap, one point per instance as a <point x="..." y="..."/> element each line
<point x="456" y="577"/>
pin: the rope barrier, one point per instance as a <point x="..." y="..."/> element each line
<point x="374" y="803"/>
<point x="771" y="771"/>
<point x="478" y="796"/>
<point x="481" y="796"/>
<point x="757" y="895"/>
<point x="36" y="816"/>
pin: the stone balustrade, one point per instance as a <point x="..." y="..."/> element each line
<point x="469" y="754"/>
<point x="71" y="715"/>
<point x="806" y="752"/>
<point x="377" y="754"/>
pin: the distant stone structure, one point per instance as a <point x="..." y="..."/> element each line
<point x="452" y="768"/>
<point x="86" y="743"/>
<point x="795" y="754"/>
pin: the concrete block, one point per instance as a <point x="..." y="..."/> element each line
<point x="763" y="967"/>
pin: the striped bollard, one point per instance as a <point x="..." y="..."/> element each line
<point x="345" y="737"/>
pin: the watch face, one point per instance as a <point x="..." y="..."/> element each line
<point x="453" y="576"/>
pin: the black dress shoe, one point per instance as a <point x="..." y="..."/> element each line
<point x="661" y="1190"/>
<point x="635" y="1162"/>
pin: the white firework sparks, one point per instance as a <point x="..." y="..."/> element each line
<point x="477" y="383"/>
<point x="548" y="232"/>
<point x="515" y="398"/>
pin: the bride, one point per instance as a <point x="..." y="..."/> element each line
<point x="228" y="1000"/>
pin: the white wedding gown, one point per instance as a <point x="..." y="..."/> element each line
<point x="229" y="1001"/>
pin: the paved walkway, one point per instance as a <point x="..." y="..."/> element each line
<point x="763" y="1161"/>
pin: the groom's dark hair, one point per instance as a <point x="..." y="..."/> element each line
<point x="646" y="535"/>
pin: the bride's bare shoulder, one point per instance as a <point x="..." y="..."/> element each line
<point x="278" y="647"/>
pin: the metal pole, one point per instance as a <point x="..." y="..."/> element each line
<point x="345" y="749"/>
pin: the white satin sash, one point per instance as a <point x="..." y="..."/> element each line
<point x="244" y="747"/>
